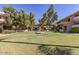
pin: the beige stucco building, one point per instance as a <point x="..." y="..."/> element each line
<point x="70" y="21"/>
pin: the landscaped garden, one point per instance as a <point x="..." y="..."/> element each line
<point x="28" y="42"/>
<point x="20" y="34"/>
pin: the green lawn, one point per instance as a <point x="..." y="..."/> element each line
<point x="12" y="47"/>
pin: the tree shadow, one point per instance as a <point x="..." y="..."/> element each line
<point x="2" y="39"/>
<point x="32" y="43"/>
<point x="47" y="50"/>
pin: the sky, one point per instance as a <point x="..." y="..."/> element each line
<point x="62" y="10"/>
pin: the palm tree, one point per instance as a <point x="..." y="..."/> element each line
<point x="24" y="20"/>
<point x="49" y="17"/>
<point x="31" y="20"/>
<point x="7" y="9"/>
<point x="42" y="21"/>
<point x="55" y="17"/>
<point x="16" y="20"/>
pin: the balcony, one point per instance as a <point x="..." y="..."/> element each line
<point x="75" y="25"/>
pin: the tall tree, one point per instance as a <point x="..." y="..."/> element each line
<point x="24" y="20"/>
<point x="42" y="21"/>
<point x="19" y="20"/>
<point x="7" y="9"/>
<point x="9" y="13"/>
<point x="9" y="21"/>
<point x="16" y="21"/>
<point x="12" y="16"/>
<point x="49" y="17"/>
<point x="32" y="21"/>
<point x="51" y="14"/>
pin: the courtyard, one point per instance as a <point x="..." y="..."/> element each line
<point x="27" y="42"/>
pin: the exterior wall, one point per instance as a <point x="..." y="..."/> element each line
<point x="67" y="23"/>
<point x="74" y="20"/>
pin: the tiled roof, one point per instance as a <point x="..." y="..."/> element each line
<point x="68" y="16"/>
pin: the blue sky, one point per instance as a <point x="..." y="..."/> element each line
<point x="62" y="10"/>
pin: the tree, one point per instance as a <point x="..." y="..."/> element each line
<point x="49" y="17"/>
<point x="31" y="20"/>
<point x="9" y="9"/>
<point x="55" y="17"/>
<point x="17" y="19"/>
<point x="9" y="16"/>
<point x="24" y="20"/>
<point x="43" y="20"/>
<point x="9" y="21"/>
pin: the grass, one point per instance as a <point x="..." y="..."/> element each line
<point x="64" y="39"/>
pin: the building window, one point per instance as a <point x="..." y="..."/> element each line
<point x="69" y="20"/>
<point x="65" y="28"/>
<point x="0" y="17"/>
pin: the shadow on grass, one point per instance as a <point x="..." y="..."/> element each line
<point x="47" y="50"/>
<point x="2" y="40"/>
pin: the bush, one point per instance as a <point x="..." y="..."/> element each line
<point x="57" y="27"/>
<point x="75" y="30"/>
<point x="54" y="51"/>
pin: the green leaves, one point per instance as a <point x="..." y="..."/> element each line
<point x="15" y="18"/>
<point x="23" y="21"/>
<point x="31" y="16"/>
<point x="31" y="20"/>
<point x="52" y="15"/>
<point x="9" y="9"/>
<point x="49" y="17"/>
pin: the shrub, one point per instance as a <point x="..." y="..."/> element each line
<point x="75" y="30"/>
<point x="57" y="27"/>
<point x="54" y="51"/>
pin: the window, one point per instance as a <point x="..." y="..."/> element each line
<point x="69" y="20"/>
<point x="76" y="23"/>
<point x="0" y="17"/>
<point x="65" y="28"/>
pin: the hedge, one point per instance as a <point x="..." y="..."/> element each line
<point x="75" y="30"/>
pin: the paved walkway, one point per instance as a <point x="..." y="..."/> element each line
<point x="1" y="35"/>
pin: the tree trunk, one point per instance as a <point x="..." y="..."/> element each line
<point x="31" y="28"/>
<point x="2" y="28"/>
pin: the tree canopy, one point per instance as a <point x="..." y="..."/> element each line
<point x="49" y="16"/>
<point x="21" y="20"/>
